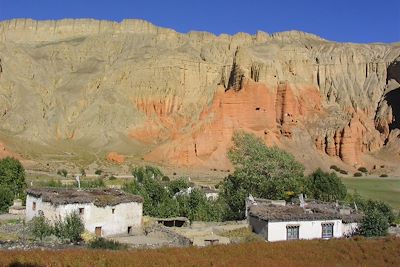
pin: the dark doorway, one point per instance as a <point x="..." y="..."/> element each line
<point x="129" y="230"/>
<point x="97" y="231"/>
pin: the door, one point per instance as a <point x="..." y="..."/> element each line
<point x="97" y="231"/>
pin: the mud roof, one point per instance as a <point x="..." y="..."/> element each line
<point x="276" y="213"/>
<point x="99" y="197"/>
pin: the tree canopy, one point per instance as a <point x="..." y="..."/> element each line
<point x="325" y="186"/>
<point x="267" y="172"/>
<point x="12" y="182"/>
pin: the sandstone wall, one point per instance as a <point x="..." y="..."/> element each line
<point x="141" y="90"/>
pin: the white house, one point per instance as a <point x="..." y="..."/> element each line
<point x="104" y="212"/>
<point x="289" y="222"/>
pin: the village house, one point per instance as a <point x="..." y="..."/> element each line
<point x="280" y="221"/>
<point x="104" y="212"/>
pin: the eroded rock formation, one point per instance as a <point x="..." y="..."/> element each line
<point x="176" y="99"/>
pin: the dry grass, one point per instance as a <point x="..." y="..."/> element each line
<point x="352" y="252"/>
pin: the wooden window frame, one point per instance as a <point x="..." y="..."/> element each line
<point x="298" y="232"/>
<point x="327" y="225"/>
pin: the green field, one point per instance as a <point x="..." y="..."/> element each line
<point x="385" y="189"/>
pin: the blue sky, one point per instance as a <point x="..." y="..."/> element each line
<point x="341" y="20"/>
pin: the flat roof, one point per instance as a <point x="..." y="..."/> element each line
<point x="99" y="197"/>
<point x="313" y="212"/>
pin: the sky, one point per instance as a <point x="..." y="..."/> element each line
<point x="360" y="21"/>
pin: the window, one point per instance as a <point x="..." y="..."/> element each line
<point x="327" y="230"/>
<point x="81" y="211"/>
<point x="113" y="211"/>
<point x="34" y="206"/>
<point x="129" y="230"/>
<point x="292" y="232"/>
<point x="97" y="231"/>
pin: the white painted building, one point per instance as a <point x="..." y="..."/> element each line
<point x="290" y="222"/>
<point x="104" y="212"/>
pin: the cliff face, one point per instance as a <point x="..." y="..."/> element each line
<point x="173" y="98"/>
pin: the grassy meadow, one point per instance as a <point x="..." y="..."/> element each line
<point x="336" y="252"/>
<point x="385" y="189"/>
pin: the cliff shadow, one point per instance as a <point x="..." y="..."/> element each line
<point x="393" y="100"/>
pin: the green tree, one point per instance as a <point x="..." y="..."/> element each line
<point x="40" y="227"/>
<point x="12" y="175"/>
<point x="142" y="172"/>
<point x="325" y="186"/>
<point x="177" y="185"/>
<point x="6" y="198"/>
<point x="374" y="223"/>
<point x="70" y="229"/>
<point x="262" y="171"/>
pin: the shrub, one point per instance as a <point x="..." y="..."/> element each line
<point x="383" y="175"/>
<point x="334" y="167"/>
<point x="40" y="227"/>
<point x="177" y="185"/>
<point x="374" y="223"/>
<point x="70" y="229"/>
<point x="53" y="183"/>
<point x="357" y="174"/>
<point x="363" y="169"/>
<point x="62" y="172"/>
<point x="112" y="177"/>
<point x="343" y="172"/>
<point x="98" y="172"/>
<point x="165" y="179"/>
<point x="97" y="183"/>
<point x="102" y="243"/>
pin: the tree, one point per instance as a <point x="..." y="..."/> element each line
<point x="6" y="198"/>
<point x="374" y="223"/>
<point x="12" y="175"/>
<point x="177" y="185"/>
<point x="40" y="227"/>
<point x="262" y="171"/>
<point x="142" y="172"/>
<point x="71" y="228"/>
<point x="325" y="186"/>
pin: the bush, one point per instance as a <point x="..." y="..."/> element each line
<point x="40" y="227"/>
<point x="334" y="167"/>
<point x="83" y="172"/>
<point x="165" y="179"/>
<point x="70" y="229"/>
<point x="112" y="178"/>
<point x="62" y="172"/>
<point x="177" y="185"/>
<point x="98" y="172"/>
<point x="383" y="175"/>
<point x="52" y="183"/>
<point x="374" y="223"/>
<point x="343" y="172"/>
<point x="363" y="169"/>
<point x="357" y="174"/>
<point x="97" y="183"/>
<point x="102" y="243"/>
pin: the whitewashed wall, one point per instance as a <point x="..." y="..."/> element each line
<point x="125" y="215"/>
<point x="307" y="230"/>
<point x="349" y="228"/>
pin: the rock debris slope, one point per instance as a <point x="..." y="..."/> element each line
<point x="172" y="98"/>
